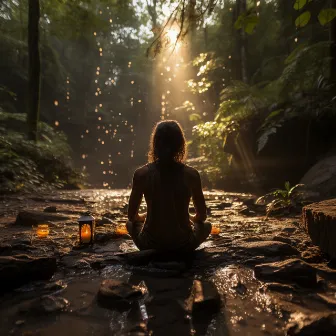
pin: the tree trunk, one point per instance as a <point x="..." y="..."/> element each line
<point x="241" y="70"/>
<point x="333" y="46"/>
<point x="34" y="69"/>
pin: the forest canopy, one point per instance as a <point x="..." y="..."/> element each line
<point x="235" y="74"/>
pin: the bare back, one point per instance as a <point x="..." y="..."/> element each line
<point x="167" y="193"/>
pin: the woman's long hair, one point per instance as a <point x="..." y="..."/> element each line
<point x="167" y="143"/>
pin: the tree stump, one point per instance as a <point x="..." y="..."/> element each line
<point x="319" y="220"/>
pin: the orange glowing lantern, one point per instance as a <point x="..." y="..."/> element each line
<point x="42" y="230"/>
<point x="215" y="230"/>
<point x="86" y="229"/>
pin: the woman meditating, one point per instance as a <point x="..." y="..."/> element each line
<point x="167" y="184"/>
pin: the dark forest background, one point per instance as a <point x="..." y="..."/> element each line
<point x="252" y="83"/>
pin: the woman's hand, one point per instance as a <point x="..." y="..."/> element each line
<point x="194" y="218"/>
<point x="141" y="217"/>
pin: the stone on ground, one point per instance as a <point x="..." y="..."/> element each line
<point x="319" y="220"/>
<point x="52" y="209"/>
<point x="32" y="217"/>
<point x="46" y="304"/>
<point x="310" y="325"/>
<point x="117" y="294"/>
<point x="21" y="269"/>
<point x="288" y="271"/>
<point x="278" y="287"/>
<point x="267" y="248"/>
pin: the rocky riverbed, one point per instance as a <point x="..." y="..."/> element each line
<point x="259" y="276"/>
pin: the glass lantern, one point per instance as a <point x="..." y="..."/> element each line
<point x="86" y="228"/>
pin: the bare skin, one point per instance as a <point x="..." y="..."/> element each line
<point x="191" y="178"/>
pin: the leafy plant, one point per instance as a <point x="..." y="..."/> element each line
<point x="325" y="15"/>
<point x="282" y="199"/>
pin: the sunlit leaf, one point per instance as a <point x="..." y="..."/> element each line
<point x="326" y="15"/>
<point x="195" y="117"/>
<point x="292" y="56"/>
<point x="303" y="19"/>
<point x="274" y="114"/>
<point x="239" y="22"/>
<point x="251" y="22"/>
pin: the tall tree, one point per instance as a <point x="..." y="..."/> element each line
<point x="34" y="69"/>
<point x="241" y="43"/>
<point x="333" y="46"/>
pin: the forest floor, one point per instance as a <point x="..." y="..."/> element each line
<point x="270" y="278"/>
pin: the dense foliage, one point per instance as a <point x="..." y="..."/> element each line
<point x="26" y="166"/>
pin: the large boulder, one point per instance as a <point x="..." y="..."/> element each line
<point x="319" y="220"/>
<point x="21" y="269"/>
<point x="321" y="177"/>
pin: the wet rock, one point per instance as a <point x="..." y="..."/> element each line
<point x="103" y="221"/>
<point x="312" y="255"/>
<point x="278" y="287"/>
<point x="46" y="304"/>
<point x="75" y="262"/>
<point x="118" y="294"/>
<point x="288" y="271"/>
<point x="319" y="220"/>
<point x="58" y="200"/>
<point x="204" y="299"/>
<point x="267" y="248"/>
<point x="50" y="209"/>
<point x="55" y="286"/>
<point x="18" y="270"/>
<point x="223" y="205"/>
<point x="282" y="239"/>
<point x="329" y="301"/>
<point x="32" y="217"/>
<point x="310" y="325"/>
<point x="289" y="229"/>
<point x="246" y="212"/>
<point x="100" y="263"/>
<point x="104" y="237"/>
<point x="254" y="261"/>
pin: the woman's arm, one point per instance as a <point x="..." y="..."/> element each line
<point x="198" y="199"/>
<point x="136" y="197"/>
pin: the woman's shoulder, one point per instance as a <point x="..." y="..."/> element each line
<point x="141" y="171"/>
<point x="191" y="170"/>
